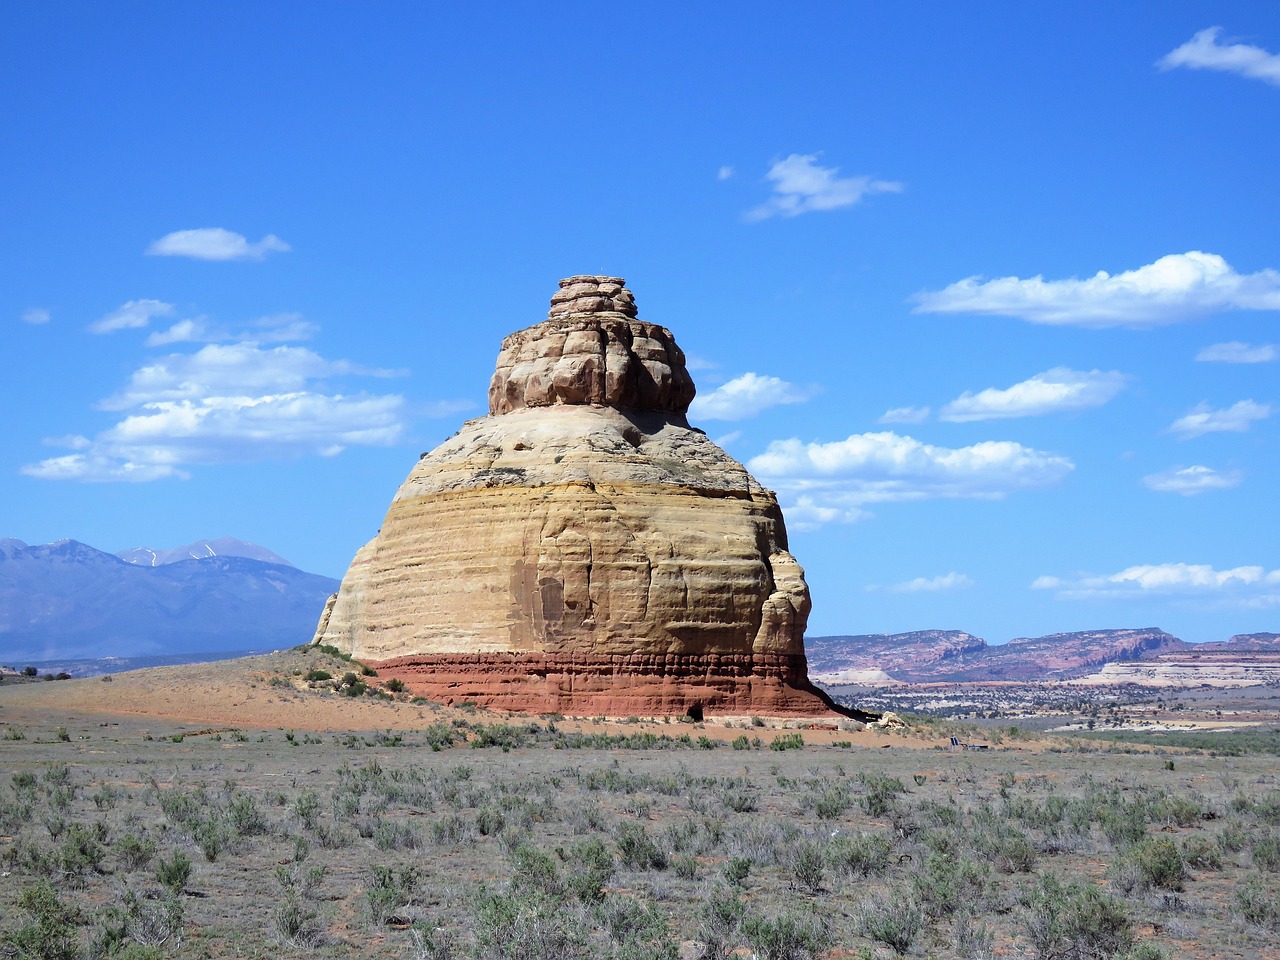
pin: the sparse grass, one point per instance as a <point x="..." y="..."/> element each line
<point x="481" y="836"/>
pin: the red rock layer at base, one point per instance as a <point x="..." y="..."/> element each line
<point x="636" y="685"/>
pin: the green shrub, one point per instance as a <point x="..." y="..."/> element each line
<point x="736" y="870"/>
<point x="832" y="803"/>
<point x="860" y="855"/>
<point x="637" y="850"/>
<point x="134" y="853"/>
<point x="590" y="868"/>
<point x="1160" y="864"/>
<point x="316" y="676"/>
<point x="174" y="872"/>
<point x="638" y="929"/>
<point x="806" y="866"/>
<point x="895" y="921"/>
<point x="515" y="926"/>
<point x="390" y="889"/>
<point x="787" y="741"/>
<point x="79" y="853"/>
<point x="1202" y="853"/>
<point x="1265" y="852"/>
<point x="1074" y="922"/>
<point x="880" y="794"/>
<point x="295" y="925"/>
<point x="947" y="882"/>
<point x="49" y="933"/>
<point x="244" y="817"/>
<point x="718" y="922"/>
<point x="787" y="937"/>
<point x="684" y="866"/>
<point x="1259" y="902"/>
<point x="534" y="870"/>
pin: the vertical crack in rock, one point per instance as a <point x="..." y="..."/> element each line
<point x="582" y="549"/>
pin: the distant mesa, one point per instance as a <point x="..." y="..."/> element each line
<point x="953" y="656"/>
<point x="582" y="549"/>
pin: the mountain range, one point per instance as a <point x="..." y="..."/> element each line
<point x="953" y="656"/>
<point x="67" y="600"/>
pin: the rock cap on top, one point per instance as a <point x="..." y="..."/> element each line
<point x="592" y="350"/>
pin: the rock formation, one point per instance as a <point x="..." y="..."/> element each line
<point x="582" y="549"/>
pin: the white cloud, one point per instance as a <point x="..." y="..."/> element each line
<point x="101" y="469"/>
<point x="746" y="396"/>
<point x="1053" y="391"/>
<point x="1235" y="419"/>
<point x="278" y="328"/>
<point x="1203" y="52"/>
<point x="865" y="468"/>
<point x="905" y="415"/>
<point x="806" y="514"/>
<point x="801" y="186"/>
<point x="214" y="243"/>
<point x="733" y="436"/>
<point x="1176" y="288"/>
<point x="238" y="369"/>
<point x="131" y="315"/>
<point x="72" y="441"/>
<point x="35" y="316"/>
<point x="194" y="330"/>
<point x="724" y="173"/>
<point x="1188" y="481"/>
<point x="1237" y="352"/>
<point x="1245" y="586"/>
<point x="229" y="403"/>
<point x="946" y="581"/>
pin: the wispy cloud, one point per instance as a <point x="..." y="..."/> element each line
<point x="1204" y="52"/>
<point x="1189" y="481"/>
<point x="215" y="243"/>
<point x="905" y="415"/>
<point x="1249" y="586"/>
<point x="1237" y="418"/>
<point x="842" y="476"/>
<point x="1237" y="352"/>
<point x="231" y="403"/>
<point x="801" y="186"/>
<point x="1054" y="391"/>
<point x="131" y="315"/>
<point x="724" y="173"/>
<point x="946" y="581"/>
<point x="746" y="396"/>
<point x="238" y="369"/>
<point x="279" y="328"/>
<point x="805" y="513"/>
<point x="1174" y="289"/>
<point x="35" y="316"/>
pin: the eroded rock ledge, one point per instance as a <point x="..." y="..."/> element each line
<point x="582" y="549"/>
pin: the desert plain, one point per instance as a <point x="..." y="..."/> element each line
<point x="240" y="809"/>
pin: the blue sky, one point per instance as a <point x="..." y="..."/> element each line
<point x="988" y="292"/>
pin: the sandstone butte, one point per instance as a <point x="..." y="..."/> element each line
<point x="582" y="549"/>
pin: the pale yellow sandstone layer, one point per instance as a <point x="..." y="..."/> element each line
<point x="575" y="528"/>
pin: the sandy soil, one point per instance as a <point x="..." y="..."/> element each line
<point x="265" y="693"/>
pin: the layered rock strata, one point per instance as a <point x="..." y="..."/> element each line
<point x="582" y="549"/>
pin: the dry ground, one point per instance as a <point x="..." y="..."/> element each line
<point x="321" y="824"/>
